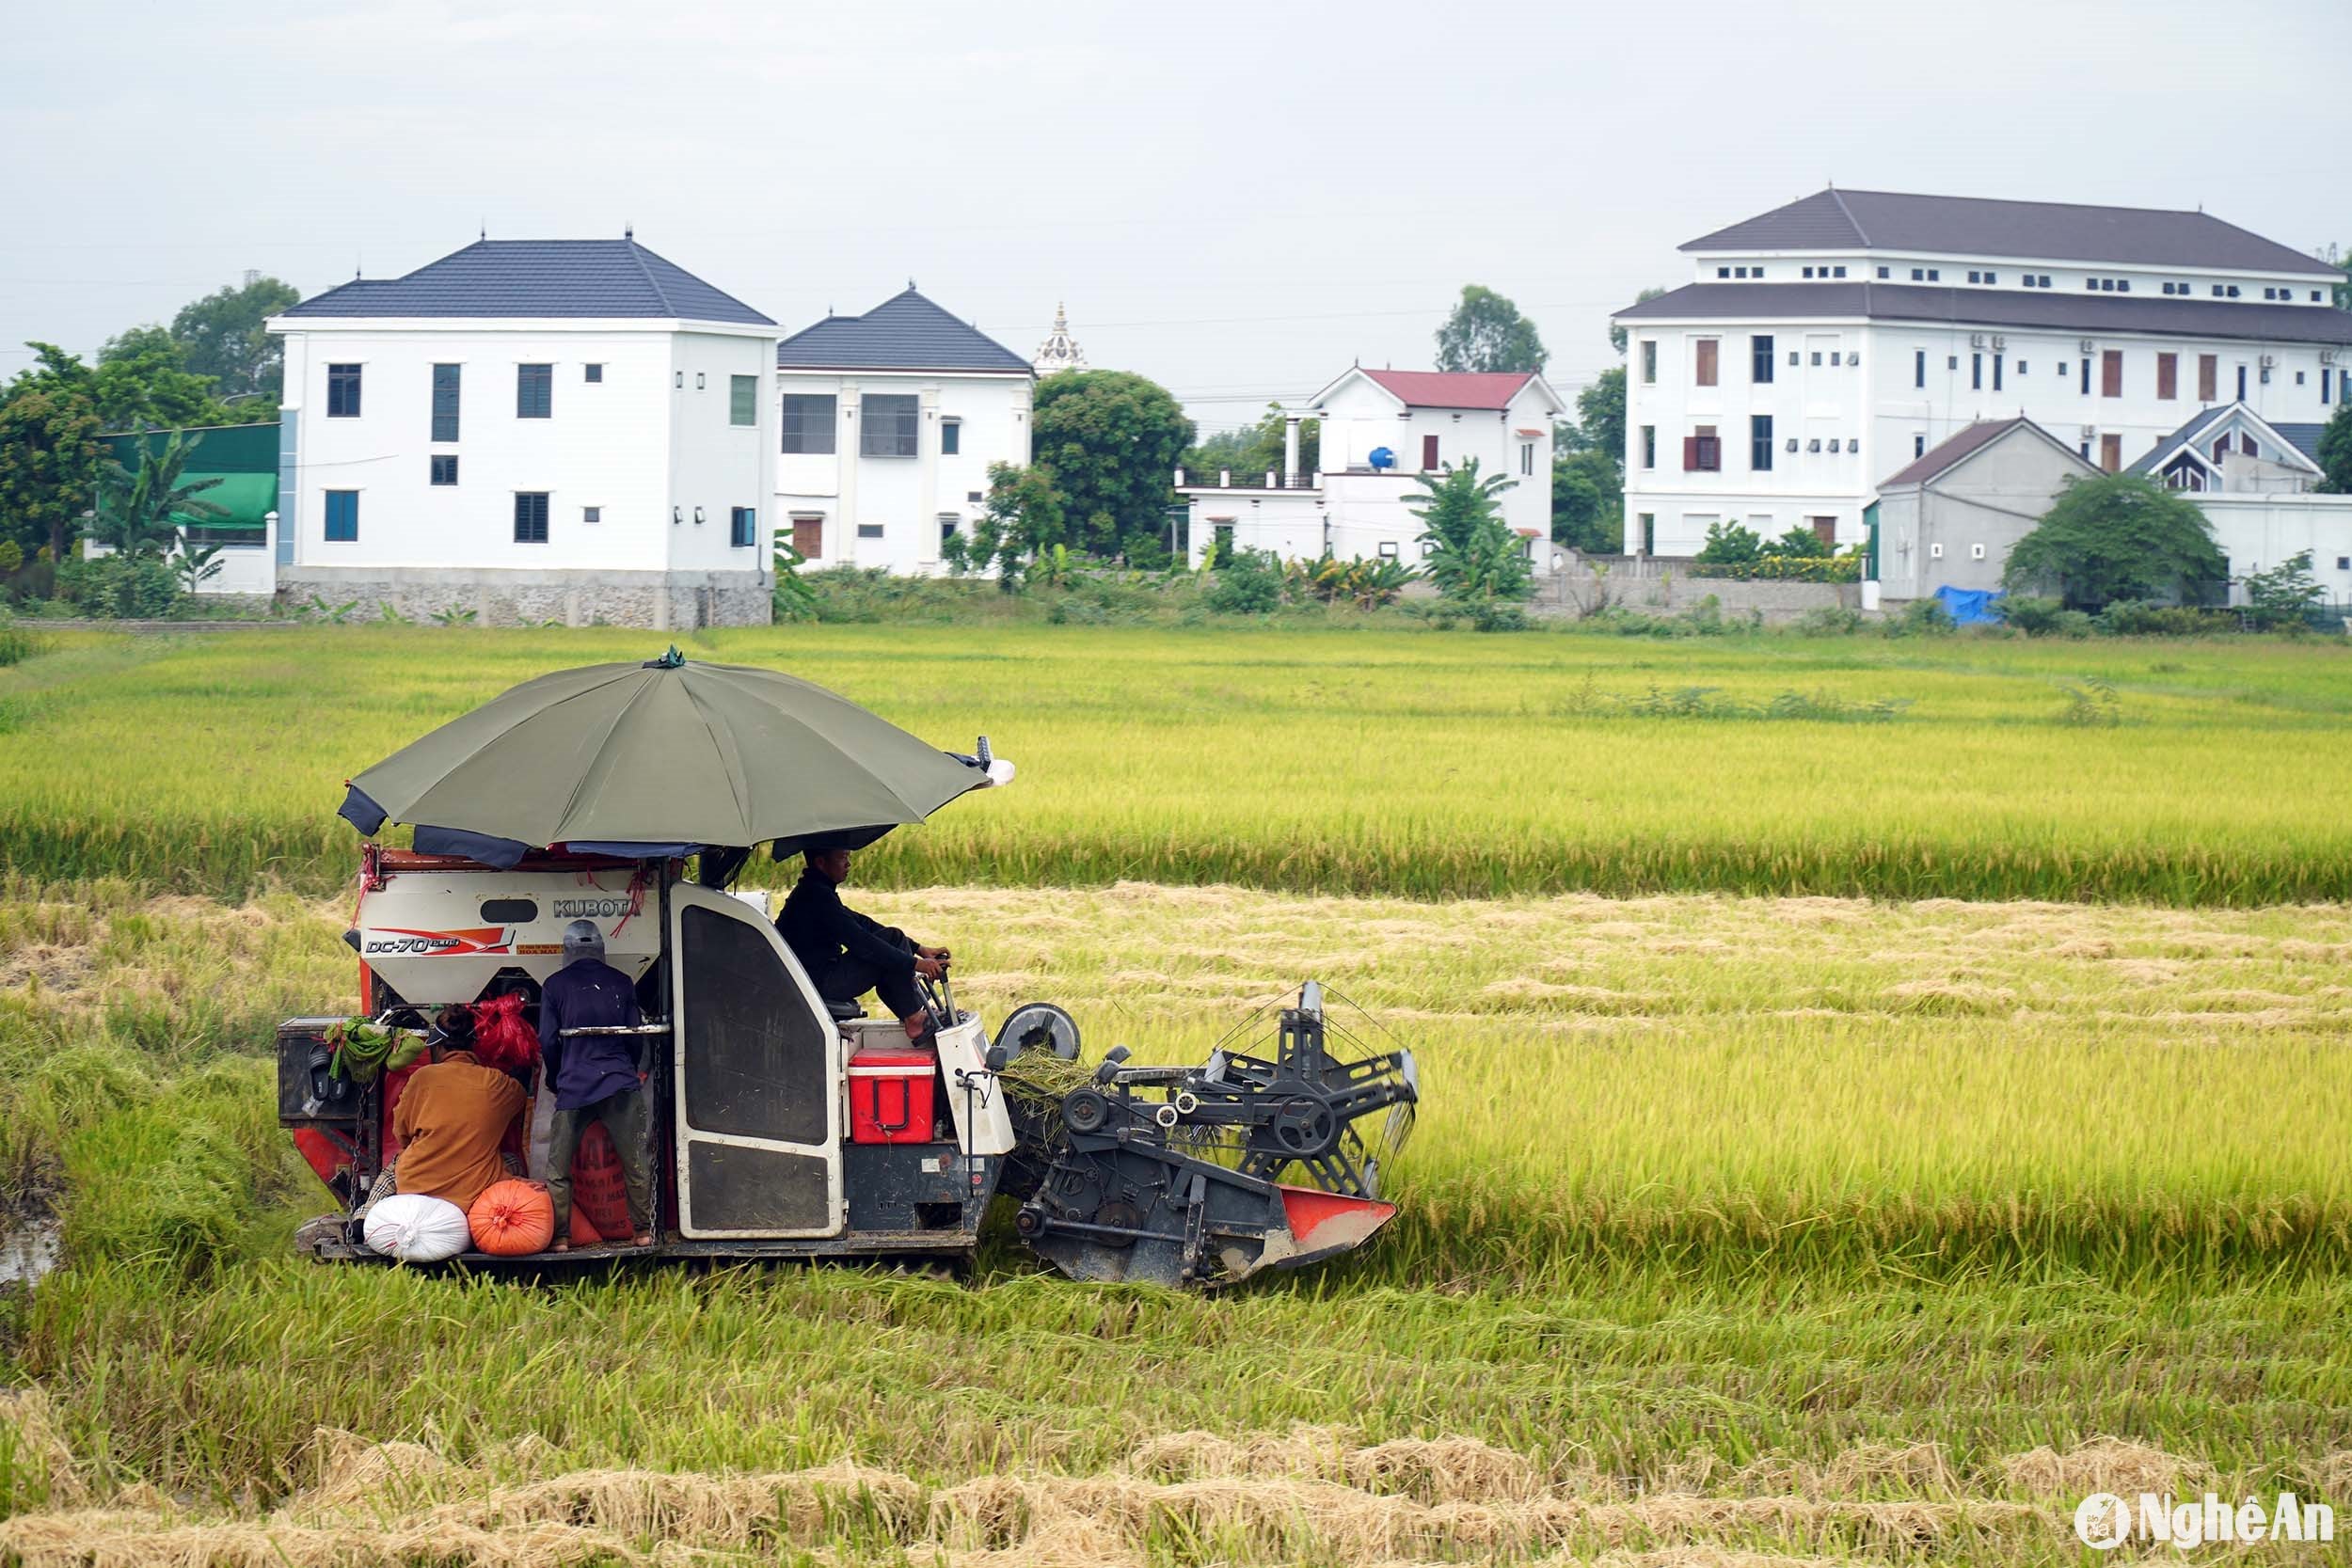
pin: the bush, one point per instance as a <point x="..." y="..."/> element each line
<point x="1829" y="621"/>
<point x="118" y="587"/>
<point x="1249" y="584"/>
<point x="1922" y="618"/>
<point x="1730" y="545"/>
<point x="2137" y="618"/>
<point x="2032" y="615"/>
<point x="17" y="645"/>
<point x="1783" y="568"/>
<point x="1498" y="615"/>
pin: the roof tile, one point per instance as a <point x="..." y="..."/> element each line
<point x="905" y="332"/>
<point x="538" y="278"/>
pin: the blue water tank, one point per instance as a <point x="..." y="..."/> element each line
<point x="1382" y="458"/>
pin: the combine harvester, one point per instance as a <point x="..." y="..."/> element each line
<point x="785" y="1126"/>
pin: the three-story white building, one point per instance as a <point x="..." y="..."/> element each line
<point x="889" y="422"/>
<point x="530" y="430"/>
<point x="1822" y="346"/>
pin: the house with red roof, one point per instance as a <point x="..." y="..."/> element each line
<point x="1380" y="430"/>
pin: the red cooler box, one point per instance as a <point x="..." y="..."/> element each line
<point x="890" y="1095"/>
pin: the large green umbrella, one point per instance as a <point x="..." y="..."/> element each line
<point x="666" y="753"/>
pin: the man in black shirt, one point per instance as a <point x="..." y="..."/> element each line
<point x="847" y="955"/>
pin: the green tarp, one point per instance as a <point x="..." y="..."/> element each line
<point x="247" y="499"/>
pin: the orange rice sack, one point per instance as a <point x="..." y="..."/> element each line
<point x="583" y="1233"/>
<point x="513" y="1219"/>
<point x="598" y="1190"/>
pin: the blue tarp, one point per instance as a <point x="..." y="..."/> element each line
<point x="1970" y="607"/>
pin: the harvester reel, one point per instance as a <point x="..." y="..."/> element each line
<point x="1040" y="1026"/>
<point x="1204" y="1174"/>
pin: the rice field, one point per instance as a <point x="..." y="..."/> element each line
<point x="1857" y="1124"/>
<point x="1422" y="763"/>
<point x="1805" y="1228"/>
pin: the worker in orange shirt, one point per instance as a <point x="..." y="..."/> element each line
<point x="452" y="1118"/>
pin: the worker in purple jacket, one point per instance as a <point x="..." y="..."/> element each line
<point x="595" y="1077"/>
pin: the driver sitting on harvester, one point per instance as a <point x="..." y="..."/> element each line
<point x="848" y="954"/>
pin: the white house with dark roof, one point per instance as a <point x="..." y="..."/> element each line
<point x="531" y="430"/>
<point x="1379" y="430"/>
<point x="1824" y="344"/>
<point x="1950" y="517"/>
<point x="887" y="425"/>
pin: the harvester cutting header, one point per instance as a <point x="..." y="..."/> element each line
<point x="605" y="1016"/>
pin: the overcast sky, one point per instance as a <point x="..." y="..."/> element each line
<point x="1238" y="201"/>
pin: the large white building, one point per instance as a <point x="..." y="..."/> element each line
<point x="1822" y="346"/>
<point x="1380" y="430"/>
<point x="571" y="430"/>
<point x="889" y="422"/>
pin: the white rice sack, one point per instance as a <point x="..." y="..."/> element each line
<point x="416" y="1228"/>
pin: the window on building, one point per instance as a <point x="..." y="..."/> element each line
<point x="2217" y="291"/>
<point x="1837" y="272"/>
<point x="1817" y="357"/>
<point x="2085" y="375"/>
<point x="1527" y="458"/>
<point x="1934" y="276"/>
<point x="950" y="437"/>
<point x="2298" y="378"/>
<point x="1760" y="358"/>
<point x="1722" y="272"/>
<point x="702" y="380"/>
<point x="2315" y="297"/>
<point x="744" y="400"/>
<point x="1760" y="442"/>
<point x="1992" y="277"/>
<point x="447" y="382"/>
<point x="2168" y="376"/>
<point x="2208" y="377"/>
<point x="2232" y="292"/>
<point x="1918" y="445"/>
<point x="893" y="425"/>
<point x="1951" y="361"/>
<point x="1919" y="367"/>
<point x="1976" y="372"/>
<point x="2168" y="288"/>
<point x="1808" y="271"/>
<point x="948" y="524"/>
<point x="343" y="391"/>
<point x="1702" y="363"/>
<point x="808" y="536"/>
<point x="343" y="516"/>
<point x="1919" y="275"/>
<point x="1429" y="463"/>
<point x="592" y="373"/>
<point x="869" y="530"/>
<point x="2111" y="373"/>
<point x="2241" y="384"/>
<point x="2061" y="369"/>
<point x="743" y="526"/>
<point x="443" y="468"/>
<point x="974" y="497"/>
<point x="1702" y="451"/>
<point x="1388" y="549"/>
<point x="1832" y="358"/>
<point x="1996" y="373"/>
<point x="1649" y="361"/>
<point x="531" y="517"/>
<point x="592" y="514"/>
<point x="2122" y="285"/>
<point x="2111" y="452"/>
<point x="808" y="422"/>
<point x="1649" y="446"/>
<point x="1884" y="272"/>
<point x="2326" y="377"/>
<point x="1794" y="360"/>
<point x="534" y="392"/>
<point x="2021" y="366"/>
<point x="1976" y="277"/>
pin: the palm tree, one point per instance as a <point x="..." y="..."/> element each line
<point x="136" y="511"/>
<point x="1471" y="554"/>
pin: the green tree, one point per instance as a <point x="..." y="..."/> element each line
<point x="2116" y="536"/>
<point x="224" y="338"/>
<point x="1110" y="441"/>
<point x="1587" y="501"/>
<point x="1023" y="520"/>
<point x="1800" y="541"/>
<point x="1730" y="545"/>
<point x="2335" y="451"/>
<point x="1262" y="452"/>
<point x="2284" y="594"/>
<point x="1486" y="332"/>
<point x="1601" y="414"/>
<point x="137" y="508"/>
<point x="142" y="382"/>
<point x="1617" y="335"/>
<point x="49" y="429"/>
<point x="1472" y="556"/>
<point x="1218" y="452"/>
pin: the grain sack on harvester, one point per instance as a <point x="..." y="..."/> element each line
<point x="630" y="797"/>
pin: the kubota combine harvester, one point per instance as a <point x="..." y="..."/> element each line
<point x="784" y="1125"/>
